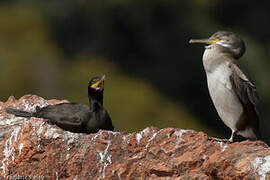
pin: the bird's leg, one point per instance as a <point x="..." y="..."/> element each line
<point x="225" y="140"/>
<point x="232" y="136"/>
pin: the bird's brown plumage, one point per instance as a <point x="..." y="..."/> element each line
<point x="247" y="94"/>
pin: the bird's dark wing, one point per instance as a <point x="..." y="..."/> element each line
<point x="68" y="116"/>
<point x="245" y="89"/>
<point x="247" y="95"/>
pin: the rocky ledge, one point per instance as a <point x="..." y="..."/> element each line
<point x="31" y="148"/>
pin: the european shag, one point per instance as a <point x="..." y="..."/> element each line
<point x="233" y="94"/>
<point x="76" y="117"/>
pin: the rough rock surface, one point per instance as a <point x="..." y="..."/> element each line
<point x="31" y="148"/>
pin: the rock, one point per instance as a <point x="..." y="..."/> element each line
<point x="31" y="148"/>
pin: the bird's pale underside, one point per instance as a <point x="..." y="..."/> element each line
<point x="234" y="96"/>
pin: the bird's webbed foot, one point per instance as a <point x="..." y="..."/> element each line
<point x="225" y="140"/>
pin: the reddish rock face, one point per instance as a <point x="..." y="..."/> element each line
<point x="31" y="148"/>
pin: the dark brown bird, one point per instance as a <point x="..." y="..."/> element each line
<point x="75" y="117"/>
<point x="234" y="96"/>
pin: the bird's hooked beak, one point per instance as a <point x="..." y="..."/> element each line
<point x="205" y="41"/>
<point x="100" y="83"/>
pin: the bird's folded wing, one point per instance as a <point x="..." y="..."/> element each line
<point x="244" y="89"/>
<point x="71" y="120"/>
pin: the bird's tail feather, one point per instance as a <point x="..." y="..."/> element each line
<point x="19" y="113"/>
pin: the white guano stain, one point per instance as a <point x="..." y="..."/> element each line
<point x="56" y="135"/>
<point x="8" y="149"/>
<point x="10" y="121"/>
<point x="146" y="131"/>
<point x="20" y="148"/>
<point x="105" y="159"/>
<point x="118" y="173"/>
<point x="222" y="145"/>
<point x="56" y="175"/>
<point x="70" y="137"/>
<point x="41" y="127"/>
<point x="180" y="132"/>
<point x="262" y="166"/>
<point x="151" y="139"/>
<point x="32" y="107"/>
<point x="96" y="136"/>
<point x="67" y="156"/>
<point x="140" y="135"/>
<point x="51" y="133"/>
<point x="113" y="133"/>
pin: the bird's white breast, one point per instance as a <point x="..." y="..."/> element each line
<point x="224" y="98"/>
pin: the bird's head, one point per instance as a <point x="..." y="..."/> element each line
<point x="96" y="83"/>
<point x="228" y="42"/>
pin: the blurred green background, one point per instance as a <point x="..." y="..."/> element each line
<point x="154" y="77"/>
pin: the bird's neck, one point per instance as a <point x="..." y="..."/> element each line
<point x="95" y="99"/>
<point x="213" y="57"/>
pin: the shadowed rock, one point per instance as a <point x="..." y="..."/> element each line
<point x="33" y="148"/>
